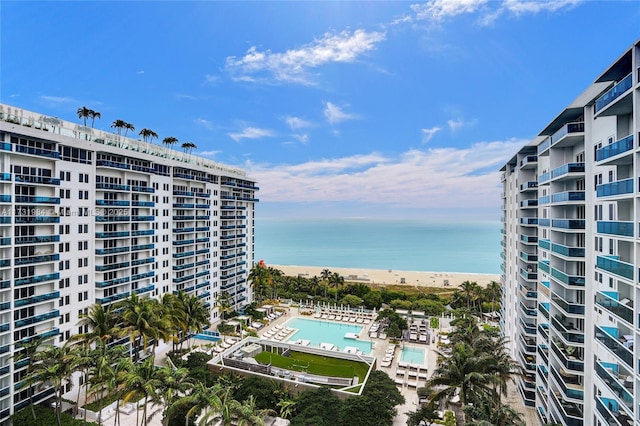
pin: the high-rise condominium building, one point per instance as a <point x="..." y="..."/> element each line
<point x="571" y="256"/>
<point x="92" y="217"/>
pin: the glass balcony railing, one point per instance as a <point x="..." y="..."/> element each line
<point x="568" y="223"/>
<point x="544" y="222"/>
<point x="111" y="267"/>
<point x="42" y="180"/>
<point x="543" y="265"/>
<point x="143" y="203"/>
<point x="184" y="266"/>
<point x="545" y="244"/>
<point x="572" y="413"/>
<point x="620" y="187"/>
<point x="38" y="279"/>
<point x="608" y="336"/>
<point x="142" y="218"/>
<point x="142" y="232"/>
<point x="569" y="360"/>
<point x="37" y="318"/>
<point x="35" y="239"/>
<point x="183" y="242"/>
<point x="614" y="93"/>
<point x="523" y="221"/>
<point x="529" y="203"/>
<point x="528" y="275"/>
<point x="543" y="307"/>
<point x="184" y="254"/>
<point x="577" y="127"/>
<point x="140" y="247"/>
<point x="37" y="151"/>
<point x="543" y="352"/>
<point x="567" y="196"/>
<point x="137" y="262"/>
<point x="142" y="276"/>
<point x="616" y="148"/>
<point x="544" y="145"/>
<point x="615" y="266"/>
<point x="609" y="301"/>
<point x="568" y="331"/>
<point x="572" y="280"/>
<point x="527" y="257"/>
<point x="568" y="308"/>
<point x="565" y="380"/>
<point x="620" y="384"/>
<point x="107" y="163"/>
<point x="115" y="281"/>
<point x="544" y="330"/>
<point x="532" y="239"/>
<point x="147" y="189"/>
<point x="610" y="411"/>
<point x="566" y="169"/>
<point x="117" y="234"/>
<point x="183" y="217"/>
<point x="112" y="218"/>
<point x="624" y="229"/>
<point x="112" y="186"/>
<point x="112" y="202"/>
<point x="37" y="199"/>
<point x="37" y="259"/>
<point x="112" y="250"/>
<point x="36" y="299"/>
<point x="528" y="328"/>
<point x="567" y="251"/>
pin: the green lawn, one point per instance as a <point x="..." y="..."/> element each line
<point x="314" y="364"/>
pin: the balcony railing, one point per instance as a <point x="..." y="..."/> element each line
<point x="608" y="336"/>
<point x="569" y="308"/>
<point x="568" y="223"/>
<point x="615" y="266"/>
<point x="616" y="148"/>
<point x="567" y="196"/>
<point x="563" y="380"/>
<point x="568" y="331"/>
<point x="610" y="411"/>
<point x="36" y="299"/>
<point x="567" y="251"/>
<point x="624" y="229"/>
<point x="38" y="279"/>
<point x="565" y="130"/>
<point x="572" y="414"/>
<point x="609" y="301"/>
<point x="620" y="187"/>
<point x="566" y="169"/>
<point x="620" y="384"/>
<point x="572" y="280"/>
<point x="614" y="93"/>
<point x="570" y="361"/>
<point x="532" y="239"/>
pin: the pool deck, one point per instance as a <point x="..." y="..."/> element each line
<point x="379" y="352"/>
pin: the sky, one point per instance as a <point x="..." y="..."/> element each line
<point x="338" y="109"/>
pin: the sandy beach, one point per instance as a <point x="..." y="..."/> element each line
<point x="387" y="276"/>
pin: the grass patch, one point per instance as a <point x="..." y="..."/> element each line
<point x="95" y="405"/>
<point x="315" y="364"/>
<point x="434" y="322"/>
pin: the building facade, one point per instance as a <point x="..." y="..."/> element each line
<point x="571" y="256"/>
<point x="93" y="217"/>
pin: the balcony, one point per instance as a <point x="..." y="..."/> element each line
<point x="567" y="251"/>
<point x="609" y="301"/>
<point x="137" y="203"/>
<point x="620" y="385"/>
<point x="614" y="93"/>
<point x="183" y="193"/>
<point x="116" y="165"/>
<point x="528" y="292"/>
<point x="568" y="223"/>
<point x="183" y="205"/>
<point x="111" y="267"/>
<point x="112" y="219"/>
<point x="610" y="411"/>
<point x="183" y="217"/>
<point x="142" y="218"/>
<point x="564" y="134"/>
<point x="543" y="308"/>
<point x="183" y="242"/>
<point x="142" y="232"/>
<point x="615" y="266"/>
<point x="529" y="239"/>
<point x="147" y="189"/>
<point x="36" y="259"/>
<point x="569" y="384"/>
<point x="529" y="203"/>
<point x="118" y="234"/>
<point x="36" y="299"/>
<point x="620" y="346"/>
<point x="37" y="199"/>
<point x="571" y="412"/>
<point x="567" y="169"/>
<point x="38" y="279"/>
<point x="623" y="229"/>
<point x="137" y="262"/>
<point x="568" y="331"/>
<point x="141" y="247"/>
<point x="568" y="308"/>
<point x="184" y="254"/>
<point x="112" y="186"/>
<point x="529" y="161"/>
<point x="37" y="151"/>
<point x="544" y="200"/>
<point x="37" y="318"/>
<point x="567" y="196"/>
<point x="543" y="265"/>
<point x="615" y="149"/>
<point x="543" y="351"/>
<point x="523" y="221"/>
<point x="567" y="355"/>
<point x="528" y="328"/>
<point x="112" y="250"/>
<point x="544" y="331"/>
<point x="40" y="180"/>
<point x="620" y="187"/>
<point x="36" y="219"/>
<point x="137" y="277"/>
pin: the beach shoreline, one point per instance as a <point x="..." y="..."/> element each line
<point x="391" y="276"/>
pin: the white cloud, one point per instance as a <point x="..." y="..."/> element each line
<point x="296" y="123"/>
<point x="208" y="153"/>
<point x="185" y="96"/>
<point x="335" y="114"/>
<point x="442" y="178"/>
<point x="250" y="133"/>
<point x="301" y="137"/>
<point x="455" y="125"/>
<point x="210" y="79"/>
<point x="140" y="72"/>
<point x="428" y="134"/>
<point x="437" y="11"/>
<point x="293" y="65"/>
<point x="57" y="99"/>
<point x="207" y="124"/>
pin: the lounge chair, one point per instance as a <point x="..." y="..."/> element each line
<point x="386" y="364"/>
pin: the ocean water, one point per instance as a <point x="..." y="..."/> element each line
<point x="410" y="245"/>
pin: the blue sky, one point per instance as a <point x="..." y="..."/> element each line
<point x="363" y="109"/>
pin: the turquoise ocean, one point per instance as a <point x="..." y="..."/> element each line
<point x="410" y="245"/>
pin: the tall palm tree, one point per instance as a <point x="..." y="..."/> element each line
<point x="147" y="136"/>
<point x="102" y="323"/>
<point x="141" y="382"/>
<point x="173" y="383"/>
<point x="468" y="288"/>
<point x="493" y="292"/>
<point x="94" y="114"/>
<point x="84" y="113"/>
<point x="118" y="125"/>
<point x="170" y="141"/>
<point x="246" y="413"/>
<point x="325" y="275"/>
<point x="225" y="303"/>
<point x="127" y="127"/>
<point x="336" y="280"/>
<point x="52" y="365"/>
<point x="29" y="348"/>
<point x="202" y="399"/>
<point x="259" y="278"/>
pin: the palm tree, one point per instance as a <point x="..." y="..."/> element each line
<point x="170" y="141"/>
<point x="259" y="278"/>
<point x="202" y="399"/>
<point x="225" y="303"/>
<point x="141" y="382"/>
<point x="84" y="113"/>
<point x="142" y="319"/>
<point x="336" y="280"/>
<point x="103" y="373"/>
<point x="94" y="114"/>
<point x="127" y="127"/>
<point x="102" y="324"/>
<point x="287" y="406"/>
<point x="52" y="365"/>
<point x="29" y="348"/>
<point x="172" y="384"/>
<point x="325" y="275"/>
<point x="247" y="414"/>
<point x="468" y="288"/>
<point x="314" y="283"/>
<point x="118" y="125"/>
<point x="148" y="135"/>
<point x="493" y="292"/>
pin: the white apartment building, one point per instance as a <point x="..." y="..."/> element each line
<point x="91" y="217"/>
<point x="571" y="256"/>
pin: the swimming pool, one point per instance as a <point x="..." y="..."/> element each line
<point x="327" y="332"/>
<point x="412" y="355"/>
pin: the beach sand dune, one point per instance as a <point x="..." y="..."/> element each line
<point x="392" y="277"/>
